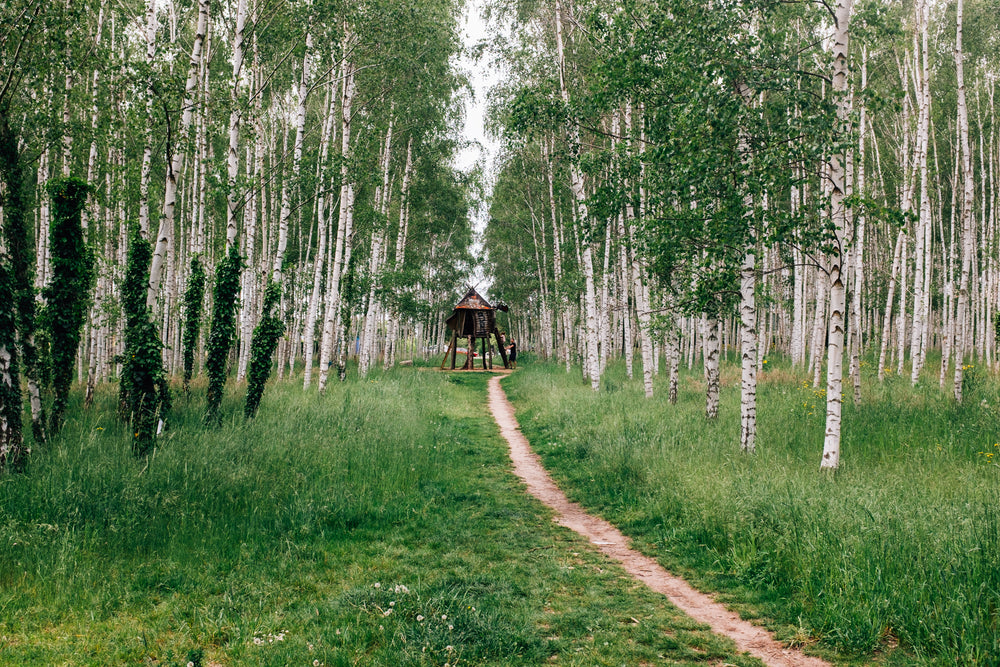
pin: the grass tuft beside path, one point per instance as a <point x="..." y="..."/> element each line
<point x="894" y="559"/>
<point x="376" y="525"/>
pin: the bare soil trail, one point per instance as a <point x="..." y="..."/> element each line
<point x="608" y="539"/>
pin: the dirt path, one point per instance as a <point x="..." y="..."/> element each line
<point x="748" y="637"/>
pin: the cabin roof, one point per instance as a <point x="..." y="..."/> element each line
<point x="473" y="301"/>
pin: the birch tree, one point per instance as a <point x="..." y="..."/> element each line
<point x="838" y="212"/>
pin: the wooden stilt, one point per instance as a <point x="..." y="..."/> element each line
<point x="449" y="351"/>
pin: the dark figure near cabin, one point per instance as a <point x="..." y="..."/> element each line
<point x="513" y="353"/>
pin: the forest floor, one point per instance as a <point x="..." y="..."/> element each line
<point x="379" y="524"/>
<point x="609" y="540"/>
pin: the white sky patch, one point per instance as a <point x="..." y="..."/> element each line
<point x="482" y="149"/>
<point x="482" y="77"/>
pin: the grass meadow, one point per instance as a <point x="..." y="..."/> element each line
<point x="895" y="559"/>
<point x="376" y="525"/>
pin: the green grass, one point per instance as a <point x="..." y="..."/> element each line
<point x="377" y="525"/>
<point x="894" y="559"/>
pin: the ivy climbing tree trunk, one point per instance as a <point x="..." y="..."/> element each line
<point x="143" y="395"/>
<point x="13" y="452"/>
<point x="223" y="329"/>
<point x="193" y="296"/>
<point x="16" y="211"/>
<point x="67" y="295"/>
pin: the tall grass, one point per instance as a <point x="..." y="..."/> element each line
<point x="898" y="549"/>
<point x="376" y="525"/>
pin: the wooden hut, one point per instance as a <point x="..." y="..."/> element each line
<point x="474" y="318"/>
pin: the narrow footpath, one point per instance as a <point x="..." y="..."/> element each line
<point x="527" y="465"/>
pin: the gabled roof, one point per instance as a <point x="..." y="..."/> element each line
<point x="472" y="301"/>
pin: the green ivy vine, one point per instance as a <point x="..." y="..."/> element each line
<point x="143" y="393"/>
<point x="13" y="454"/>
<point x="223" y="331"/>
<point x="68" y="294"/>
<point x="16" y="286"/>
<point x="194" y="293"/>
<point x="265" y="340"/>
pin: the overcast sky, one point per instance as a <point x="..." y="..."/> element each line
<point x="481" y="149"/>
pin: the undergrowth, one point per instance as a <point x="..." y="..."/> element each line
<point x="896" y="558"/>
<point x="376" y="525"/>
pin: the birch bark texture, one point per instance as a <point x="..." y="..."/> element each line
<point x="176" y="160"/>
<point x="592" y="366"/>
<point x="838" y="212"/>
<point x="968" y="193"/>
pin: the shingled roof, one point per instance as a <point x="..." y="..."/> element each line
<point x="472" y="301"/>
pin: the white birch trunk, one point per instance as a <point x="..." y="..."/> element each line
<point x="563" y="309"/>
<point x="42" y="250"/>
<point x="147" y="153"/>
<point x="887" y="319"/>
<point x="604" y="322"/>
<point x="835" y="344"/>
<point x="576" y="183"/>
<point x="400" y="256"/>
<point x="819" y="324"/>
<point x="300" y="126"/>
<point x="234" y="200"/>
<point x="859" y="242"/>
<point x="382" y="196"/>
<point x="968" y="192"/>
<point x="748" y="355"/>
<point x="322" y="222"/>
<point x="345" y="221"/>
<point x="922" y="251"/>
<point x="626" y="285"/>
<point x="712" y="351"/>
<point x="170" y="191"/>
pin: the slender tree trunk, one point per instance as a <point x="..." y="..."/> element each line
<point x="887" y="319"/>
<point x="576" y="184"/>
<point x="322" y="222"/>
<point x="402" y="232"/>
<point x="968" y="193"/>
<point x="345" y="222"/>
<point x="748" y="354"/>
<point x="922" y="251"/>
<point x="147" y="153"/>
<point x="373" y="315"/>
<point x="859" y="243"/>
<point x="177" y="159"/>
<point x="835" y="344"/>
<point x="712" y="351"/>
<point x="234" y="198"/>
